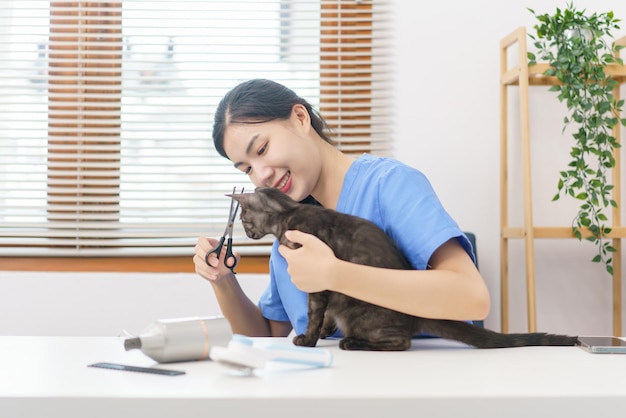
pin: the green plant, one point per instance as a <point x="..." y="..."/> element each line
<point x="574" y="45"/>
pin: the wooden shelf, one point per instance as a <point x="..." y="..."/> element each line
<point x="556" y="232"/>
<point x="536" y="77"/>
<point x="523" y="76"/>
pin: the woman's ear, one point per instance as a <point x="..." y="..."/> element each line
<point x="301" y="116"/>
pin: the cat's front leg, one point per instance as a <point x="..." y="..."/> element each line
<point x="329" y="326"/>
<point x="317" y="303"/>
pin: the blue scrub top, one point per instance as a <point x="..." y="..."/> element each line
<point x="397" y="198"/>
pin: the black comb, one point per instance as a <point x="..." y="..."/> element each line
<point x="152" y="370"/>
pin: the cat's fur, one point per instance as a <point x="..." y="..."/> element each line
<point x="365" y="326"/>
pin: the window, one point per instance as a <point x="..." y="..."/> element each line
<point x="106" y="112"/>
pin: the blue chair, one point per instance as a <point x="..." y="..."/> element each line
<point x="472" y="238"/>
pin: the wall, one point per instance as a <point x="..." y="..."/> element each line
<point x="447" y="125"/>
<point x="35" y="303"/>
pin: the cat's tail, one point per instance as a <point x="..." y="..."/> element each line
<point x="484" y="338"/>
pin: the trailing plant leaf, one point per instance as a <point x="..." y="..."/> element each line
<point x="574" y="44"/>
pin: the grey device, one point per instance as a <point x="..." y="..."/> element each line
<point x="181" y="339"/>
<point x="602" y="345"/>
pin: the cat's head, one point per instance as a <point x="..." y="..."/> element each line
<point x="263" y="210"/>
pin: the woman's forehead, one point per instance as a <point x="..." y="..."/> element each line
<point x="240" y="137"/>
<point x="237" y="132"/>
<point x="245" y="131"/>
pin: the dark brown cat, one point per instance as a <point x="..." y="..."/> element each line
<point x="365" y="326"/>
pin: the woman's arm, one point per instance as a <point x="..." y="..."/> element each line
<point x="452" y="289"/>
<point x="243" y="315"/>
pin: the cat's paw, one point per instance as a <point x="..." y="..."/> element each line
<point x="303" y="341"/>
<point x="350" y="343"/>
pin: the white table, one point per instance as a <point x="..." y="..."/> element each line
<point x="48" y="377"/>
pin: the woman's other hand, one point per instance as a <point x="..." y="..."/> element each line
<point x="215" y="270"/>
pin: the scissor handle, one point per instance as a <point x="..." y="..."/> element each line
<point x="230" y="261"/>
<point x="230" y="256"/>
<point x="217" y="250"/>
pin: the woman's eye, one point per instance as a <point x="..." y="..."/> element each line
<point x="247" y="170"/>
<point x="262" y="150"/>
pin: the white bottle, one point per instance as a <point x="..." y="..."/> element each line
<point x="182" y="339"/>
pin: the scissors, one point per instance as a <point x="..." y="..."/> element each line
<point x="230" y="261"/>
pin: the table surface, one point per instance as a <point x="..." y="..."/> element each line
<point x="48" y="376"/>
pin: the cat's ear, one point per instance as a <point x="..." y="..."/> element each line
<point x="242" y="198"/>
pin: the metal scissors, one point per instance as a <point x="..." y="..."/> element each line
<point x="230" y="261"/>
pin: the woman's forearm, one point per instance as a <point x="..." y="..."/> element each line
<point x="244" y="316"/>
<point x="452" y="289"/>
<point x="427" y="293"/>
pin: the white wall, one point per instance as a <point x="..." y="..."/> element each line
<point x="447" y="125"/>
<point x="35" y="303"/>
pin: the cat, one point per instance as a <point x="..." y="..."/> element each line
<point x="364" y="326"/>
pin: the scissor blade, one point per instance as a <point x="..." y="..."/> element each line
<point x="233" y="217"/>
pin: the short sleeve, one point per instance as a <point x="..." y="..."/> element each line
<point x="414" y="217"/>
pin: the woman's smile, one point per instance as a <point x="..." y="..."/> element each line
<point x="285" y="183"/>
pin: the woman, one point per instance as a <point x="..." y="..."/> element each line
<point x="278" y="140"/>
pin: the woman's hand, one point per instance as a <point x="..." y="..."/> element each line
<point x="216" y="270"/>
<point x="310" y="266"/>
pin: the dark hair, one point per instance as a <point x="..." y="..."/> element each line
<point x="258" y="101"/>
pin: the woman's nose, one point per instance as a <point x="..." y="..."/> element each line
<point x="263" y="175"/>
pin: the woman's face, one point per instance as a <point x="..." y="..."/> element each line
<point x="281" y="154"/>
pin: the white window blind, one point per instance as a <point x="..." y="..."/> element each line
<point x="106" y="111"/>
